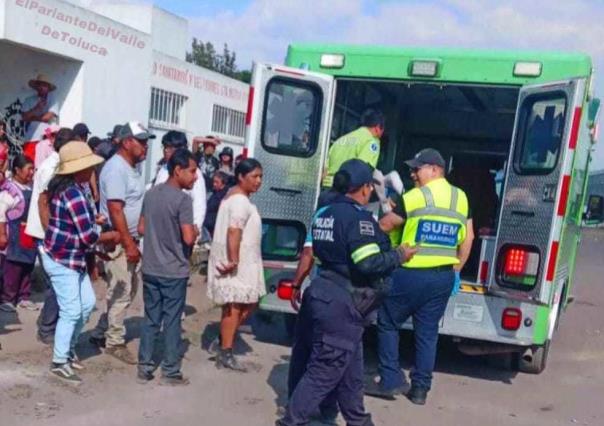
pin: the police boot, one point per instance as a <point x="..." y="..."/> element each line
<point x="226" y="359"/>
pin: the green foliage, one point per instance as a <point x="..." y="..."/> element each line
<point x="205" y="55"/>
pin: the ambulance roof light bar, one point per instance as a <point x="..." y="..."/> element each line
<point x="527" y="69"/>
<point x="423" y="68"/>
<point x="332" y="60"/>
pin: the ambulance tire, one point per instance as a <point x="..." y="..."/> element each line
<point x="539" y="361"/>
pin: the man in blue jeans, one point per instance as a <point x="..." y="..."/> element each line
<point x="169" y="233"/>
<point x="436" y="222"/>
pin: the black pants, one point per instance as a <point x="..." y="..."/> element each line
<point x="335" y="364"/>
<point x="49" y="314"/>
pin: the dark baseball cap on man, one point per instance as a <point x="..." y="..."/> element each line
<point x="134" y="129"/>
<point x="116" y="131"/>
<point x="81" y="129"/>
<point x="360" y="172"/>
<point x="428" y="156"/>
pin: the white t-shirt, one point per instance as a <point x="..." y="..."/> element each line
<point x="197" y="193"/>
<point x="42" y="178"/>
<point x="35" y="129"/>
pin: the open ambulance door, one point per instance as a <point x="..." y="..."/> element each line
<point x="536" y="189"/>
<point x="288" y="129"/>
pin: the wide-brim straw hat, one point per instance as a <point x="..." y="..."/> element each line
<point x="41" y="78"/>
<point x="76" y="156"/>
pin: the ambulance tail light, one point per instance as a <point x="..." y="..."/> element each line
<point x="527" y="69"/>
<point x="332" y="60"/>
<point x="519" y="266"/>
<point x="511" y="318"/>
<point x="285" y="289"/>
<point x="484" y="272"/>
<point x="250" y="104"/>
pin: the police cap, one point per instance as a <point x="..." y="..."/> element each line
<point x="360" y="172"/>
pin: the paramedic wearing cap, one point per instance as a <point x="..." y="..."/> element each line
<point x="437" y="224"/>
<point x="356" y="259"/>
<point x="172" y="141"/>
<point x="122" y="188"/>
<point x="362" y="144"/>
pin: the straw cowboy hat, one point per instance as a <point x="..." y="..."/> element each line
<point x="76" y="156"/>
<point x="41" y="78"/>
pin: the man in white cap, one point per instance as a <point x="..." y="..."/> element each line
<point x="122" y="188"/>
<point x="41" y="109"/>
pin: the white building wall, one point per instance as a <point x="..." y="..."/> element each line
<point x="105" y="60"/>
<point x="169" y="32"/>
<point x="204" y="89"/>
<point x="113" y="79"/>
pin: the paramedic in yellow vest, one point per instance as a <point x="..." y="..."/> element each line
<point x="361" y="144"/>
<point x="436" y="222"/>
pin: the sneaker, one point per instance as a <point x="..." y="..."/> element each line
<point x="8" y="307"/>
<point x="417" y="395"/>
<point x="226" y="359"/>
<point x="178" y="380"/>
<point x="97" y="341"/>
<point x="143" y="377"/>
<point x="122" y="353"/>
<point x="28" y="305"/>
<point x="75" y="362"/>
<point x="65" y="373"/>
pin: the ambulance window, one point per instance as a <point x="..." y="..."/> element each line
<point x="540" y="132"/>
<point x="291" y="118"/>
<point x="282" y="239"/>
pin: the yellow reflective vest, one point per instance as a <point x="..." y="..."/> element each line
<point x="437" y="214"/>
<point x="359" y="144"/>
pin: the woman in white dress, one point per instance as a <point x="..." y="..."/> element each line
<point x="235" y="275"/>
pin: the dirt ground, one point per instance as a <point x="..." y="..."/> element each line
<point x="467" y="391"/>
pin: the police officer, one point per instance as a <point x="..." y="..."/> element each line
<point x="362" y="143"/>
<point x="356" y="259"/>
<point x="437" y="224"/>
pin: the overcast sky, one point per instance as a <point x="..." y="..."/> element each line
<point x="262" y="29"/>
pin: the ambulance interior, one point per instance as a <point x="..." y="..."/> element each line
<point x="470" y="125"/>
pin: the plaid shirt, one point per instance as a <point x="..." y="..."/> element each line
<point x="72" y="231"/>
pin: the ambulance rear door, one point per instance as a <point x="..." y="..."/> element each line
<point x="536" y="190"/>
<point x="288" y="129"/>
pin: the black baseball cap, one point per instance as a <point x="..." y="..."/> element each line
<point x="81" y="129"/>
<point x="134" y="129"/>
<point x="360" y="172"/>
<point x="428" y="156"/>
<point x="116" y="131"/>
<point x="175" y="139"/>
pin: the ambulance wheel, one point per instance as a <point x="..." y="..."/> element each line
<point x="538" y="362"/>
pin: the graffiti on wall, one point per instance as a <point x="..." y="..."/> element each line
<point x="15" y="127"/>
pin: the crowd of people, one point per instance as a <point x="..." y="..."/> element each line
<point x="78" y="206"/>
<point x="74" y="202"/>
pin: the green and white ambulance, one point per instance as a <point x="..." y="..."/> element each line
<point x="517" y="131"/>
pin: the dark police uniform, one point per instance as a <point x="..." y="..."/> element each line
<point x="356" y="259"/>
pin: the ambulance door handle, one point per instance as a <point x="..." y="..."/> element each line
<point x="286" y="191"/>
<point x="523" y="213"/>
